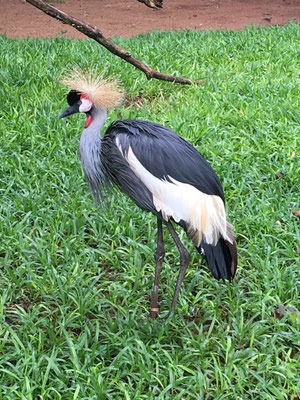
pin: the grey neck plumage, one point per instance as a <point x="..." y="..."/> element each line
<point x="90" y="152"/>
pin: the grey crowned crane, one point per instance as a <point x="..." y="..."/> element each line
<point x="160" y="171"/>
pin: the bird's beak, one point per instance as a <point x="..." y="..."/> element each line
<point x="71" y="110"/>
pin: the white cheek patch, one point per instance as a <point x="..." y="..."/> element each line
<point x="85" y="105"/>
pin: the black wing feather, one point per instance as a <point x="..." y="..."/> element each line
<point x="118" y="172"/>
<point x="164" y="153"/>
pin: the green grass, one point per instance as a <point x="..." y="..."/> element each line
<point x="75" y="281"/>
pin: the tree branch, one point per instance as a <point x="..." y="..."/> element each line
<point x="152" y="3"/>
<point x="96" y="34"/>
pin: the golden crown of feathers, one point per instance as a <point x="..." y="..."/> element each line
<point x="104" y="93"/>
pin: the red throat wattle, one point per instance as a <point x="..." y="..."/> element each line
<point x="88" y="121"/>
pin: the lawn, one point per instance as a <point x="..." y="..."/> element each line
<point x="76" y="280"/>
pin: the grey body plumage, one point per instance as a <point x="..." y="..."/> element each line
<point x="89" y="151"/>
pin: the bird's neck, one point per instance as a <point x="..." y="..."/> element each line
<point x="95" y="120"/>
<point x="90" y="150"/>
<point x="90" y="138"/>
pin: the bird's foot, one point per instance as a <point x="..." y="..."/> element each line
<point x="162" y="318"/>
<point x="153" y="312"/>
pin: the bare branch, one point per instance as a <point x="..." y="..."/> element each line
<point x="152" y="3"/>
<point x="97" y="35"/>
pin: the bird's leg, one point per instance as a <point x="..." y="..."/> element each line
<point x="159" y="257"/>
<point x="184" y="262"/>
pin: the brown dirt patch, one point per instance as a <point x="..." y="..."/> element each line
<point x="127" y="18"/>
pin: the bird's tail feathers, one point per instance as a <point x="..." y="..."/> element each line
<point x="221" y="258"/>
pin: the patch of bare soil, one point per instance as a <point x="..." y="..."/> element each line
<point x="127" y="18"/>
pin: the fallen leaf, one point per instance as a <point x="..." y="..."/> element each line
<point x="279" y="175"/>
<point x="269" y="19"/>
<point x="291" y="309"/>
<point x="296" y="212"/>
<point x="280" y="310"/>
<point x="293" y="314"/>
<point x="293" y="154"/>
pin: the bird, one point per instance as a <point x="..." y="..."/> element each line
<point x="159" y="170"/>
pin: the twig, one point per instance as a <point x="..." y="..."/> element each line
<point x="152" y="3"/>
<point x="97" y="35"/>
